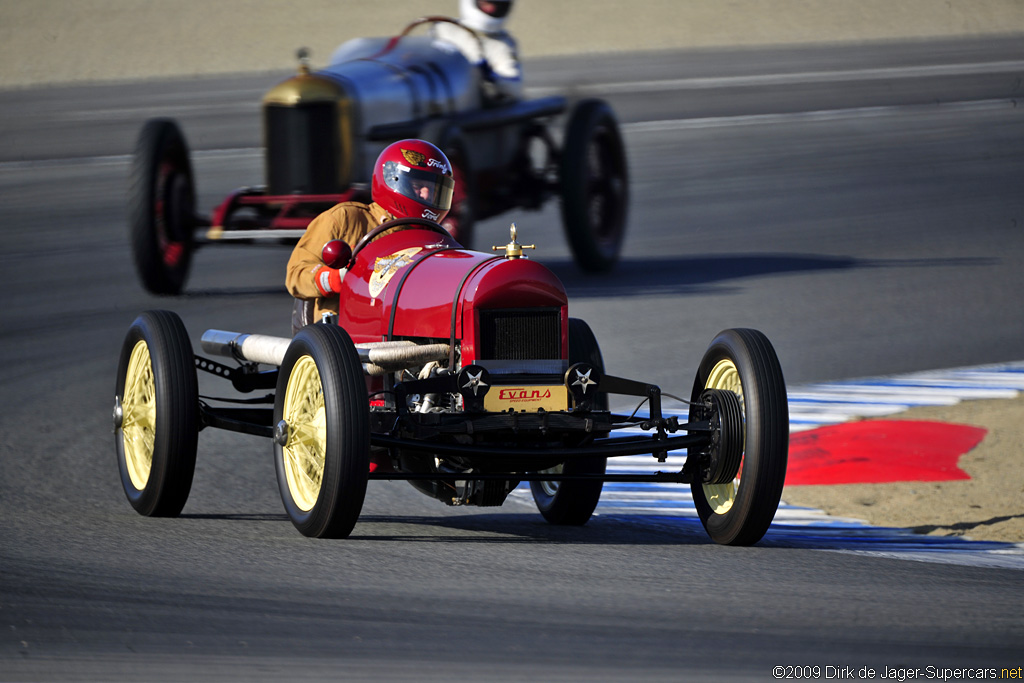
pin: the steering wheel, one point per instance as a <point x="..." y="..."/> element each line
<point x="398" y="222"/>
<point x="431" y="20"/>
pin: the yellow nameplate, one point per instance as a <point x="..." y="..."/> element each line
<point x="529" y="398"/>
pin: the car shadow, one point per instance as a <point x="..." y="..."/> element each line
<point x="529" y="528"/>
<point x="239" y="516"/>
<point x="655" y="530"/>
<point x="523" y="528"/>
<point x="712" y="273"/>
<point x="495" y="528"/>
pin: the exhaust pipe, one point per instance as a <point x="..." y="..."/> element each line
<point x="255" y="348"/>
<point x="378" y="358"/>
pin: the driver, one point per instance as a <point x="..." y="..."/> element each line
<point x="499" y="61"/>
<point x="411" y="179"/>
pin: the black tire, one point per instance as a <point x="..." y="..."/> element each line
<point x="572" y="502"/>
<point x="461" y="219"/>
<point x="161" y="207"/>
<point x="329" y="507"/>
<point x="744" y="361"/>
<point x="594" y="186"/>
<point x="156" y="426"/>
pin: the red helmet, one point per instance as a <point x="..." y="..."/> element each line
<point x="413" y="179"/>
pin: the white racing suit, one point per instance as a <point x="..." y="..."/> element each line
<point x="499" y="61"/>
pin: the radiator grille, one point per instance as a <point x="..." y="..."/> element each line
<point x="518" y="334"/>
<point x="302" y="149"/>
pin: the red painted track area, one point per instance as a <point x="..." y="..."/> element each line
<point x="880" y="451"/>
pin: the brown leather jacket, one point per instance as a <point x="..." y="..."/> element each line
<point x="348" y="221"/>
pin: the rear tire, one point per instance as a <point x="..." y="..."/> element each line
<point x="744" y="362"/>
<point x="161" y="207"/>
<point x="462" y="216"/>
<point x="156" y="415"/>
<point x="572" y="503"/>
<point x="595" y="186"/>
<point x="322" y="456"/>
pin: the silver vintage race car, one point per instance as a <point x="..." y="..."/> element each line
<point x="323" y="128"/>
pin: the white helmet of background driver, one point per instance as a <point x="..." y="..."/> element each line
<point x="484" y="15"/>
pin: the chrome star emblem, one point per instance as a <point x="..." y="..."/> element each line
<point x="475" y="382"/>
<point x="583" y="380"/>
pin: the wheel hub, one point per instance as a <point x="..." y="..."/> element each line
<point x="118" y="413"/>
<point x="281" y="433"/>
<point x="725" y="454"/>
<point x="725" y="375"/>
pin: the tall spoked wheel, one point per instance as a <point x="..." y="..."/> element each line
<point x="739" y="510"/>
<point x="462" y="216"/>
<point x="161" y="207"/>
<point x="594" y="186"/>
<point x="156" y="414"/>
<point x="322" y="432"/>
<point x="572" y="502"/>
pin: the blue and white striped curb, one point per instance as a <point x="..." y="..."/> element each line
<point x="818" y="405"/>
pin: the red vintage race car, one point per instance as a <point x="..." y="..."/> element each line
<point x="462" y="373"/>
<point x="322" y="130"/>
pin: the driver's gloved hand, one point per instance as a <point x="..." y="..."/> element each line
<point x="328" y="280"/>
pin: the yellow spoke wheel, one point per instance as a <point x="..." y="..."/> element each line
<point x="322" y="432"/>
<point x="156" y="414"/>
<point x="304" y="452"/>
<point x="743" y="362"/>
<point x="139" y="416"/>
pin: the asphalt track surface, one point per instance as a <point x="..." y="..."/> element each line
<point x="864" y="207"/>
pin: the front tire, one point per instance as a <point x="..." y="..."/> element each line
<point x="595" y="186"/>
<point x="161" y="207"/>
<point x="156" y="415"/>
<point x="740" y="511"/>
<point x="322" y="438"/>
<point x="572" y="502"/>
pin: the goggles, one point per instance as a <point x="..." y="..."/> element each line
<point x="425" y="187"/>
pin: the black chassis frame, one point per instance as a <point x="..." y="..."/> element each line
<point x="703" y="428"/>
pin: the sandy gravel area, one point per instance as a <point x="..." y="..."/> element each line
<point x="72" y="41"/>
<point x="988" y="506"/>
<point x="61" y="41"/>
